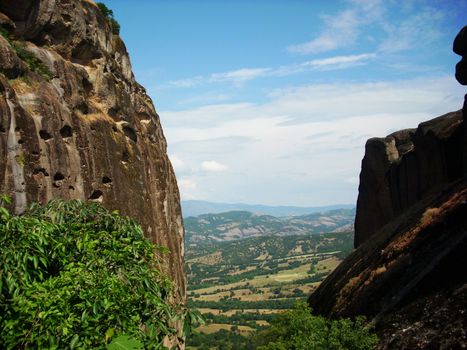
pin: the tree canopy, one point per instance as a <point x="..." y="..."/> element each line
<point x="75" y="275"/>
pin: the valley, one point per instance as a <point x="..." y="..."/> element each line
<point x="238" y="284"/>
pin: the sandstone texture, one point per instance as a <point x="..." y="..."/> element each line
<point x="407" y="272"/>
<point x="74" y="123"/>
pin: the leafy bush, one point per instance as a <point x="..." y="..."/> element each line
<point x="74" y="275"/>
<point x="298" y="329"/>
<point x="109" y="14"/>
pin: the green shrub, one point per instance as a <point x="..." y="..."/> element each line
<point x="74" y="275"/>
<point x="28" y="57"/>
<point x="4" y="32"/>
<point x="109" y="14"/>
<point x="299" y="329"/>
<point x="32" y="61"/>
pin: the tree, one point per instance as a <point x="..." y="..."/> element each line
<point x="299" y="329"/>
<point x="109" y="15"/>
<point x="75" y="275"/>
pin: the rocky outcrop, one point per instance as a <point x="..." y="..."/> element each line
<point x="460" y="48"/>
<point x="407" y="279"/>
<point x="75" y="123"/>
<point x="402" y="168"/>
<point x="411" y="238"/>
<point x="406" y="166"/>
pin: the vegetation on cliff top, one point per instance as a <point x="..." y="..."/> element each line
<point x="75" y="275"/>
<point x="109" y="14"/>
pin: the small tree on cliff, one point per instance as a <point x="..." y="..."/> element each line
<point x="109" y="14"/>
<point x="74" y="275"/>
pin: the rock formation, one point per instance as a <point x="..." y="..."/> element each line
<point x="75" y="123"/>
<point x="411" y="236"/>
<point x="406" y="166"/>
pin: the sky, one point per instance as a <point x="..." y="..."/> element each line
<point x="271" y="102"/>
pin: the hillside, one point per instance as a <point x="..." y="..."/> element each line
<point x="235" y="225"/>
<point x="197" y="207"/>
<point x="240" y="285"/>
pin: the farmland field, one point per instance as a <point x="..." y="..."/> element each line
<point x="240" y="285"/>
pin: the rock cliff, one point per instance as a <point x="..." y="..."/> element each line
<point x="411" y="236"/>
<point x="75" y="123"/>
<point x="404" y="167"/>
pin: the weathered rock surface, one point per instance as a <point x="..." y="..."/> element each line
<point x="406" y="274"/>
<point x="402" y="168"/>
<point x="75" y="123"/>
<point x="408" y="278"/>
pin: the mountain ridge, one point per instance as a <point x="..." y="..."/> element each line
<point x="237" y="225"/>
<point x="200" y="207"/>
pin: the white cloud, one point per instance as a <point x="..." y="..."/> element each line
<point x="305" y="144"/>
<point x="213" y="166"/>
<point x="339" y="62"/>
<point x="188" y="188"/>
<point x="177" y="163"/>
<point x="241" y="76"/>
<point x="404" y="24"/>
<point x="412" y="31"/>
<point x="340" y="30"/>
<point x="187" y="83"/>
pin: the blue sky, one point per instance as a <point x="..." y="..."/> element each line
<point x="272" y="101"/>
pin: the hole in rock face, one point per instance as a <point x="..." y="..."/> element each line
<point x="87" y="85"/>
<point x="66" y="131"/>
<point x="83" y="107"/>
<point x="112" y="112"/>
<point x="20" y="141"/>
<point x="71" y="188"/>
<point x="58" y="176"/>
<point x="66" y="17"/>
<point x="2" y="129"/>
<point x="96" y="195"/>
<point x="125" y="157"/>
<point x="44" y="135"/>
<point x="106" y="180"/>
<point x="40" y="170"/>
<point x="130" y="133"/>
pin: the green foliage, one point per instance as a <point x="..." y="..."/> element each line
<point x="74" y="275"/>
<point x="4" y="32"/>
<point x="29" y="58"/>
<point x="232" y="304"/>
<point x="220" y="340"/>
<point x="124" y="342"/>
<point x="109" y="15"/>
<point x="32" y="61"/>
<point x="299" y="329"/>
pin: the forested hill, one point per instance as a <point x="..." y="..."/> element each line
<point x="196" y="208"/>
<point x="235" y="225"/>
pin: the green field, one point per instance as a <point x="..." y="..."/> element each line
<point x="239" y="286"/>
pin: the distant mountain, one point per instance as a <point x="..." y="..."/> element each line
<point x="195" y="208"/>
<point x="235" y="225"/>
